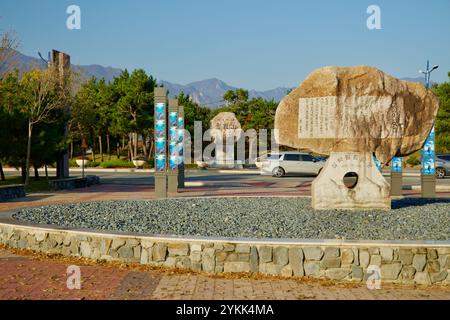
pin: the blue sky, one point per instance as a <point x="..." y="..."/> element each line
<point x="252" y="44"/>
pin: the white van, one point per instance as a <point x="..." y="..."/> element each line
<point x="284" y="163"/>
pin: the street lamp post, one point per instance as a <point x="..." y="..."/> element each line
<point x="427" y="154"/>
<point x="83" y="151"/>
<point x="427" y="73"/>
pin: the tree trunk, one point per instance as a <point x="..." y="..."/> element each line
<point x="36" y="173"/>
<point x="2" y="174"/>
<point x="71" y="150"/>
<point x="93" y="149"/>
<point x="135" y="136"/>
<point x="144" y="147"/>
<point x="118" y="150"/>
<point x="123" y="142"/>
<point x="27" y="163"/>
<point x="130" y="151"/>
<point x="108" y="150"/>
<point x="150" y="153"/>
<point x="23" y="172"/>
<point x="131" y="145"/>
<point x="100" y="145"/>
<point x="46" y="172"/>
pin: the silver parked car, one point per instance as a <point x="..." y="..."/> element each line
<point x="442" y="165"/>
<point x="283" y="163"/>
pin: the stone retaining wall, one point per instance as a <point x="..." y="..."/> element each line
<point x="73" y="183"/>
<point x="415" y="264"/>
<point x="12" y="192"/>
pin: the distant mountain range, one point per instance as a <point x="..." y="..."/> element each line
<point x="206" y="92"/>
<point x="210" y="92"/>
<point x="25" y="63"/>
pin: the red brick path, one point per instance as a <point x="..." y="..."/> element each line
<point x="26" y="277"/>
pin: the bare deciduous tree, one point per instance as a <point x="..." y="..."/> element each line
<point x="42" y="94"/>
<point x="8" y="54"/>
<point x="8" y="45"/>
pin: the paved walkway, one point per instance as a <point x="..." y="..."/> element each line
<point x="26" y="276"/>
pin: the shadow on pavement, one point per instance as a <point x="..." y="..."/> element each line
<point x="139" y="180"/>
<point x="30" y="197"/>
<point x="213" y="177"/>
<point x="414" y="202"/>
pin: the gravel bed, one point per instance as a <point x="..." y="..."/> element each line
<point x="291" y="218"/>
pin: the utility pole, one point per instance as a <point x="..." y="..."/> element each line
<point x="427" y="154"/>
<point x="61" y="63"/>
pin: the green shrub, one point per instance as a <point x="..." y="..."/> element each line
<point x="73" y="163"/>
<point x="413" y="161"/>
<point x="118" y="163"/>
<point x="93" y="164"/>
<point x="149" y="165"/>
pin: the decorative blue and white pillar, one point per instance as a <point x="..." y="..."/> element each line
<point x="427" y="154"/>
<point x="172" y="174"/>
<point x="396" y="176"/>
<point x="160" y="101"/>
<point x="180" y="147"/>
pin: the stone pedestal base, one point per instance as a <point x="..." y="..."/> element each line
<point x="428" y="184"/>
<point x="396" y="183"/>
<point x="371" y="190"/>
<point x="172" y="182"/>
<point x="160" y="185"/>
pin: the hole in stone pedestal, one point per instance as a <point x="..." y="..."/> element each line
<point x="350" y="179"/>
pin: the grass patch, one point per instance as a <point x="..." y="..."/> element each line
<point x="34" y="186"/>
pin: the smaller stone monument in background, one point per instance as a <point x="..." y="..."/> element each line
<point x="226" y="130"/>
<point x="351" y="114"/>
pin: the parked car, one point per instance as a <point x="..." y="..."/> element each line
<point x="260" y="160"/>
<point x="321" y="158"/>
<point x="284" y="163"/>
<point x="442" y="165"/>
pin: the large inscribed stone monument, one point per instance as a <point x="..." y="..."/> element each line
<point x="351" y="114"/>
<point x="226" y="131"/>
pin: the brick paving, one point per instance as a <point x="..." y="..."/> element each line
<point x="25" y="278"/>
<point x="29" y="277"/>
